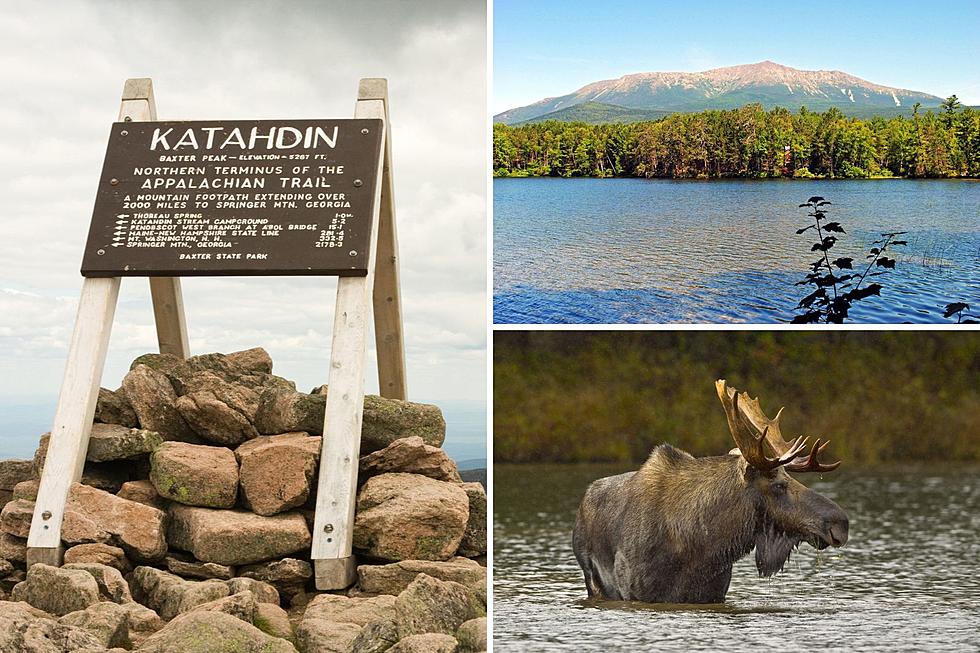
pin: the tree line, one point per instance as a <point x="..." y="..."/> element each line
<point x="748" y="142"/>
<point x="592" y="396"/>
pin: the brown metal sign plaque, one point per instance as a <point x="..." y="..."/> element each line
<point x="215" y="198"/>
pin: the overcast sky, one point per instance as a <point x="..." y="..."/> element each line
<point x="62" y="68"/>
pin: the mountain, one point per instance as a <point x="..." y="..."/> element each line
<point x="599" y="113"/>
<point x="767" y="83"/>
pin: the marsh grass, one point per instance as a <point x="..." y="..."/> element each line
<point x="613" y="396"/>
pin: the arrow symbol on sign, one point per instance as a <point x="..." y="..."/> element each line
<point x="122" y="215"/>
<point x="118" y="238"/>
<point x="118" y="244"/>
<point x="119" y="232"/>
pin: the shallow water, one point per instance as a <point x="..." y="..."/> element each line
<point x="641" y="251"/>
<point x="907" y="580"/>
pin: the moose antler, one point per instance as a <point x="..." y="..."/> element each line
<point x="811" y="464"/>
<point x="751" y="428"/>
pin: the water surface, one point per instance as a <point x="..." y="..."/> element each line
<point x="907" y="580"/>
<point x="641" y="251"/>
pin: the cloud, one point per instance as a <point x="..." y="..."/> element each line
<point x="62" y="65"/>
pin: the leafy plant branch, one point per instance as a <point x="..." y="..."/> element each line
<point x="845" y="287"/>
<point x="961" y="311"/>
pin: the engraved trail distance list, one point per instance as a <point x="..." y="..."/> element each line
<point x="235" y="198"/>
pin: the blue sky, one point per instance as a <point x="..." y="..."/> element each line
<point x="548" y="48"/>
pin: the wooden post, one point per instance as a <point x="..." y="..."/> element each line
<point x="138" y="104"/>
<point x="73" y="417"/>
<point x="68" y="445"/>
<point x="333" y="526"/>
<point x="388" y="337"/>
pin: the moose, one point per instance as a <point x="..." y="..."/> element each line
<point x="671" y="531"/>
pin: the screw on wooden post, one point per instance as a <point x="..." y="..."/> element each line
<point x="73" y="417"/>
<point x="333" y="559"/>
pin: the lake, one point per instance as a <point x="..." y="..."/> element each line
<point x="656" y="251"/>
<point x="907" y="580"/>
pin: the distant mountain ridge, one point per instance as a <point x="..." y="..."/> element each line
<point x="766" y="82"/>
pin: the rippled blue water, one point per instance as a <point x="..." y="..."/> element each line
<point x="655" y="251"/>
<point x="907" y="580"/>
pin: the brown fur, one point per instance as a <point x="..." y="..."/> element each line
<point x="671" y="531"/>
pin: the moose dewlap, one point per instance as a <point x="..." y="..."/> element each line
<point x="671" y="531"/>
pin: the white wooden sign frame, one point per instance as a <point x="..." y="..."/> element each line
<point x="357" y="298"/>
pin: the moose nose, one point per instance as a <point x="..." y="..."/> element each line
<point x="838" y="532"/>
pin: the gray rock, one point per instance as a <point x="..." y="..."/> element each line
<point x="239" y="367"/>
<point x="394" y="578"/>
<point x="13" y="472"/>
<point x="166" y="364"/>
<point x="337" y="608"/>
<point x="114" y="442"/>
<point x="273" y="620"/>
<point x="426" y="643"/>
<point x="264" y="592"/>
<point x="26" y="490"/>
<point x="282" y="411"/>
<point x="278" y="471"/>
<point x="376" y="637"/>
<point x="474" y="541"/>
<point x="107" y="622"/>
<point x="112" y="586"/>
<point x="198" y="632"/>
<point x="137" y="528"/>
<point x="196" y="569"/>
<point x="318" y="636"/>
<point x="10" y="580"/>
<point x="114" y="408"/>
<point x="385" y="420"/>
<point x="142" y="622"/>
<point x="472" y="635"/>
<point x="241" y="606"/>
<point x="142" y="492"/>
<point x="255" y="359"/>
<point x="430" y="605"/>
<point x="24" y="629"/>
<point x="13" y="548"/>
<point x="235" y="537"/>
<point x="108" y="476"/>
<point x="169" y="595"/>
<point x="57" y="591"/>
<point x="15" y="518"/>
<point x="217" y="410"/>
<point x="288" y="576"/>
<point x="412" y="456"/>
<point x="410" y="517"/>
<point x="195" y="475"/>
<point x="155" y="402"/>
<point x="103" y="554"/>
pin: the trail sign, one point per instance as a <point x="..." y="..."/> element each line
<point x="235" y="198"/>
<point x="158" y="200"/>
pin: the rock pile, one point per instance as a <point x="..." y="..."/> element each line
<point x="192" y="525"/>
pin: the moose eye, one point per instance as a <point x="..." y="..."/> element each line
<point x="778" y="488"/>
